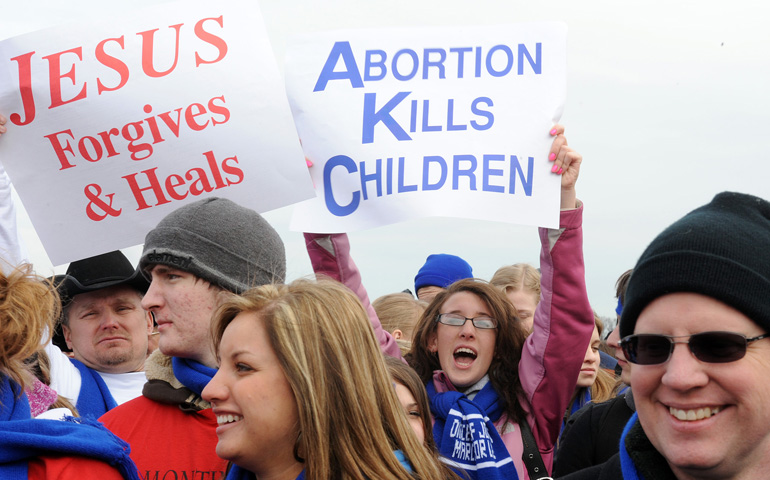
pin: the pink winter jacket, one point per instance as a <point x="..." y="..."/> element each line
<point x="552" y="355"/>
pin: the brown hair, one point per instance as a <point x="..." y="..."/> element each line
<point x="504" y="369"/>
<point x="324" y="341"/>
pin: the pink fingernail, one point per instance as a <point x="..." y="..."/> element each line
<point x="554" y="168"/>
<point x="309" y="163"/>
<point x="552" y="157"/>
<point x="553" y="131"/>
<point x="561" y="170"/>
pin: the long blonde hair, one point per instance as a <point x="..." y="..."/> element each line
<point x="350" y="418"/>
<point x="28" y="306"/>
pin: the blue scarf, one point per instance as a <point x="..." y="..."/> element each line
<point x="626" y="464"/>
<point x="23" y="438"/>
<point x="94" y="399"/>
<point x="580" y="401"/>
<point x="466" y="435"/>
<point x="238" y="473"/>
<point x="192" y="374"/>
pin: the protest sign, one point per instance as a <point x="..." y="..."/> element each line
<point x="112" y="125"/>
<point x="411" y="122"/>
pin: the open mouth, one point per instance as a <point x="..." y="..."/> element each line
<point x="695" y="414"/>
<point x="225" y="419"/>
<point x="464" y="356"/>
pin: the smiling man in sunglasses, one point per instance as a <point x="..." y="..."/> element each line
<point x="695" y="325"/>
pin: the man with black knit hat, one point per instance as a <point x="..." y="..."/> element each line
<point x="695" y="324"/>
<point x="105" y="326"/>
<point x="195" y="257"/>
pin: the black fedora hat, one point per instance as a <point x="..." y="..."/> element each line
<point x="94" y="273"/>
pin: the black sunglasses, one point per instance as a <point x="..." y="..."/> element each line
<point x="710" y="347"/>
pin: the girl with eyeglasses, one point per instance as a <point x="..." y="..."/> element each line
<point x="473" y="354"/>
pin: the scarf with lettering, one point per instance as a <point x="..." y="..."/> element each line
<point x="466" y="436"/>
<point x="23" y="438"/>
<point x="94" y="399"/>
<point x="192" y="374"/>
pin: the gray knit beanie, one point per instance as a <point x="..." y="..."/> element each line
<point x="219" y="241"/>
<point x="720" y="250"/>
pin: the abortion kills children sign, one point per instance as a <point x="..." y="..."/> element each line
<point x="414" y="122"/>
<point x="113" y="125"/>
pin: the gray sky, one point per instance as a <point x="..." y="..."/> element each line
<point x="666" y="101"/>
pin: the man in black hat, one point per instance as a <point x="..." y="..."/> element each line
<point x="104" y="324"/>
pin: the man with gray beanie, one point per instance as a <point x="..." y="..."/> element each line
<point x="195" y="257"/>
<point x="695" y="325"/>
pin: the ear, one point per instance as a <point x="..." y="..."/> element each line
<point x="398" y="334"/>
<point x="67" y="335"/>
<point x="433" y="342"/>
<point x="150" y="323"/>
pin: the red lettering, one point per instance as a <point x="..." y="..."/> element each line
<point x="189" y="116"/>
<point x="60" y="149"/>
<point x="212" y="39"/>
<point x="232" y="170"/>
<point x="219" y="109"/>
<point x="214" y="169"/>
<point x="173" y="126"/>
<point x="172" y="182"/>
<point x="154" y="186"/>
<point x="25" y="88"/>
<point x="55" y="77"/>
<point x="148" y="52"/>
<point x="83" y="149"/>
<point x="113" y="63"/>
<point x="200" y="181"/>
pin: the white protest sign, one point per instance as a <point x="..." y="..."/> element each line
<point x="113" y="125"/>
<point x="413" y="122"/>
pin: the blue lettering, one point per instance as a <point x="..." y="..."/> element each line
<point x="331" y="204"/>
<point x="478" y="62"/>
<point x="369" y="63"/>
<point x="426" y="162"/>
<point x="425" y="115"/>
<point x="339" y="50"/>
<point x="389" y="168"/>
<point x="487" y="172"/>
<point x="372" y="117"/>
<point x="537" y="65"/>
<point x="376" y="177"/>
<point x="427" y="62"/>
<point x="508" y="65"/>
<point x="516" y="168"/>
<point x="482" y="113"/>
<point x="450" y="125"/>
<point x="466" y="172"/>
<point x="460" y="58"/>
<point x="415" y="64"/>
<point x="401" y="186"/>
<point x="413" y="117"/>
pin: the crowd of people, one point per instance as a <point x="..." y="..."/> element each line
<point x="203" y="362"/>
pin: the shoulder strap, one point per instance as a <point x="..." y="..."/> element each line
<point x="531" y="455"/>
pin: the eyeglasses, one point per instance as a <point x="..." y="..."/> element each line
<point x="456" y="320"/>
<point x="710" y="347"/>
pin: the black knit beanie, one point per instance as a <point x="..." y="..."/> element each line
<point x="219" y="241"/>
<point x="721" y="250"/>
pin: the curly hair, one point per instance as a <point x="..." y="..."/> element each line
<point x="28" y="306"/>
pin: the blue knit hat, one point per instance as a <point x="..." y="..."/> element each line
<point x="442" y="270"/>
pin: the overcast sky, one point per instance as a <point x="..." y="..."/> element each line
<point x="667" y="102"/>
